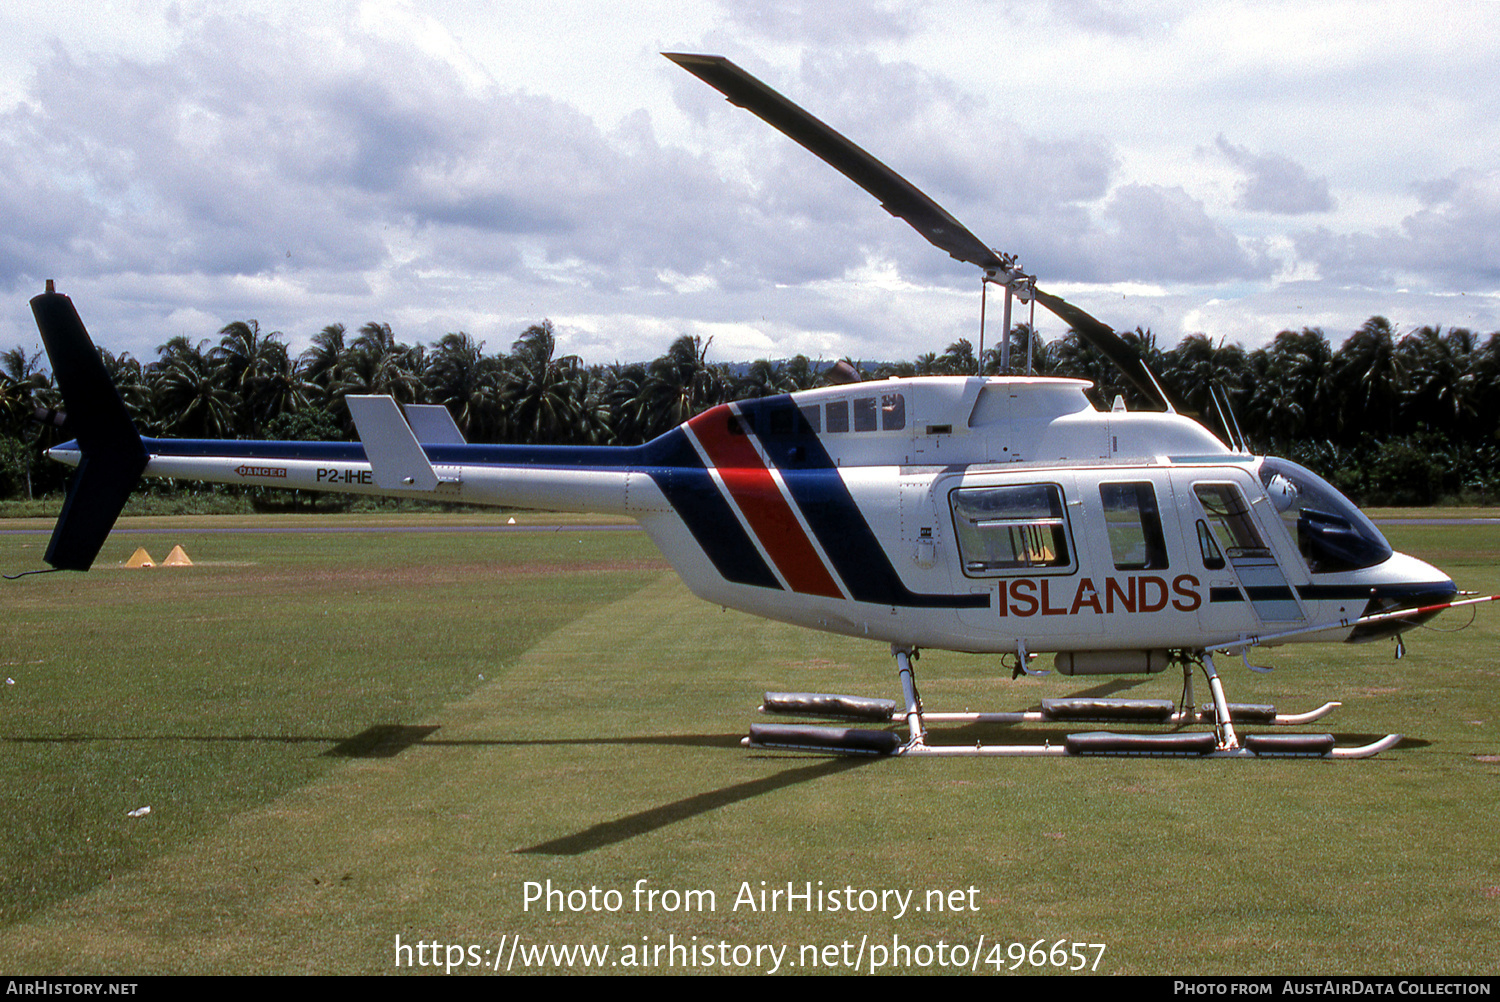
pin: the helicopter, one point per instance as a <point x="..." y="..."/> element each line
<point x="1001" y="515"/>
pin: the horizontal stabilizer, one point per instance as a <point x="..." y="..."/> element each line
<point x="396" y="458"/>
<point x="113" y="456"/>
<point x="433" y="424"/>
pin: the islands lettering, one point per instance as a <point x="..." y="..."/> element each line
<point x="1028" y="596"/>
<point x="759" y="896"/>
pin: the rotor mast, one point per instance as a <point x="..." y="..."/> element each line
<point x="1018" y="285"/>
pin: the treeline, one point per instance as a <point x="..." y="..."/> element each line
<point x="1390" y="419"/>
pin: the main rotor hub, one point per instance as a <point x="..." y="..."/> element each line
<point x="1010" y="275"/>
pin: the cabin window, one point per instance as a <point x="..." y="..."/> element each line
<point x="813" y="416"/>
<point x="1133" y="524"/>
<point x="838" y="415"/>
<point x="892" y="412"/>
<point x="1230" y="519"/>
<point x="886" y="412"/>
<point x="783" y="420"/>
<point x="1011" y="529"/>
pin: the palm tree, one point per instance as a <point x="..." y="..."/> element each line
<point x="130" y="380"/>
<point x="1370" y="380"/>
<point x="246" y="356"/>
<point x="764" y="379"/>
<point x="190" y="393"/>
<point x="466" y="381"/>
<point x="625" y="396"/>
<point x="544" y="395"/>
<point x="1074" y="357"/>
<point x="321" y="365"/>
<point x="375" y="363"/>
<point x="681" y="384"/>
<point x="1020" y="336"/>
<point x="21" y="380"/>
<point x="1292" y="396"/>
<point x="1442" y="390"/>
<point x="1193" y="370"/>
<point x="276" y="387"/>
<point x="959" y="360"/>
<point x="801" y="373"/>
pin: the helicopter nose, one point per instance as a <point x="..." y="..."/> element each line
<point x="1407" y="583"/>
<point x="1410" y="581"/>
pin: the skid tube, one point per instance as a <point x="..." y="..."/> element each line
<point x="1222" y="742"/>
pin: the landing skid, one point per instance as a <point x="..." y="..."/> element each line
<point x="1221" y="742"/>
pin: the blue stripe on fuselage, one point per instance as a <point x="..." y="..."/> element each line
<point x="673" y="464"/>
<point x="830" y="511"/>
<point x="669" y="460"/>
<point x="605" y="457"/>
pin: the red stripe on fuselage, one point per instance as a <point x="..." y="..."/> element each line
<point x="755" y="492"/>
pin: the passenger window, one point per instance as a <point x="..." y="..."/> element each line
<point x="1133" y="524"/>
<point x="1230" y="519"/>
<point x="864" y="414"/>
<point x="892" y="412"/>
<point x="838" y="416"/>
<point x="813" y="416"/>
<point x="1009" y="529"/>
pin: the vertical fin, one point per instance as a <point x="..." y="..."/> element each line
<point x="396" y="458"/>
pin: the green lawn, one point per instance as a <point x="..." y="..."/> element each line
<point x="328" y="771"/>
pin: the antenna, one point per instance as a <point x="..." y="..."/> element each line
<point x="1229" y="406"/>
<point x="1159" y="391"/>
<point x="1227" y="419"/>
<point x="1030" y="335"/>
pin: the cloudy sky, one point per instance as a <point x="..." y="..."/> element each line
<point x="1231" y="168"/>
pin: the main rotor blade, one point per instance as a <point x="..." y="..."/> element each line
<point x="1103" y="338"/>
<point x="902" y="199"/>
<point x="897" y="195"/>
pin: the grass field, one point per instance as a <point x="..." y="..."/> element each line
<point x="346" y="738"/>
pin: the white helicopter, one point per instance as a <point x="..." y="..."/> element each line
<point x="992" y="515"/>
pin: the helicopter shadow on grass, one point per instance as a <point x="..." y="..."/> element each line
<point x="389" y="740"/>
<point x="607" y="833"/>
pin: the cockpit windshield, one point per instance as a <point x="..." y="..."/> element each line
<point x="1331" y="533"/>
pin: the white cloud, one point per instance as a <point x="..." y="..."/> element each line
<point x="817" y="22"/>
<point x="453" y="166"/>
<point x="1452" y="243"/>
<point x="1166" y="234"/>
<point x="1274" y="183"/>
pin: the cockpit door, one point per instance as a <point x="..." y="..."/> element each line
<point x="1229" y="538"/>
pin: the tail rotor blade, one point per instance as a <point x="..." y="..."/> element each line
<point x="113" y="454"/>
